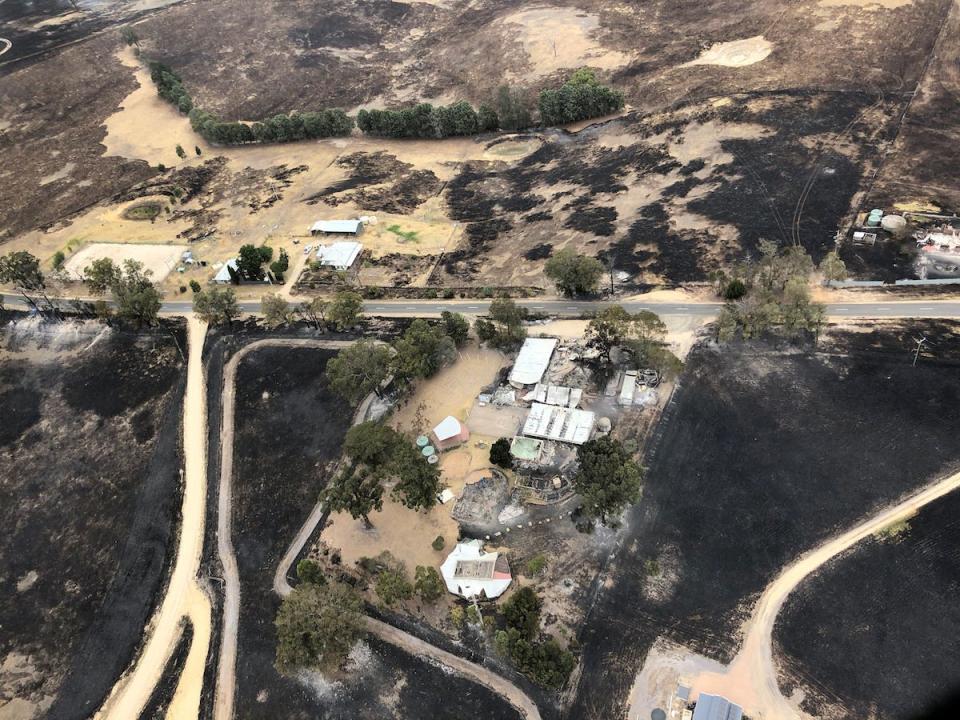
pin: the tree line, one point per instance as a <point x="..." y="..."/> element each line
<point x="580" y="98"/>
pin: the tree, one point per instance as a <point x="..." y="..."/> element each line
<point x="279" y="266"/>
<point x="422" y="351"/>
<point x="309" y="571"/>
<point x="356" y="491"/>
<point x="216" y="305"/>
<point x="251" y="259"/>
<point x="500" y="453"/>
<point x="522" y="611"/>
<point x="513" y="109"/>
<point x="195" y="286"/>
<point x="313" y="310"/>
<point x="574" y="274"/>
<point x="22" y="270"/>
<point x="358" y="370"/>
<point x="428" y="584"/>
<point x="128" y="35"/>
<point x="392" y="585"/>
<point x="418" y="482"/>
<point x="607" y="478"/>
<point x="316" y="627"/>
<point x="734" y="290"/>
<point x="181" y="153"/>
<point x="100" y="275"/>
<point x="832" y="267"/>
<point x="57" y="260"/>
<point x="371" y="443"/>
<point x="345" y="310"/>
<point x="504" y="329"/>
<point x="456" y="327"/>
<point x="135" y="296"/>
<point x="580" y="98"/>
<point x="197" y="150"/>
<point x="276" y="310"/>
<point x="610" y="327"/>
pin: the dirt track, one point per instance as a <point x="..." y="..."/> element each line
<point x="226" y="674"/>
<point x="751" y="679"/>
<point x="184" y="596"/>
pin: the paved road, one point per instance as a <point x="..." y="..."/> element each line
<point x="574" y="308"/>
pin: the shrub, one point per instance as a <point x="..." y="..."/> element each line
<point x="522" y="611"/>
<point x="735" y="289"/>
<point x="473" y="615"/>
<point x="456" y="616"/>
<point x="500" y="453"/>
<point x="428" y="584"/>
<point x="58" y="259"/>
<point x="438" y="543"/>
<point x="392" y="585"/>
<point x="195" y="286"/>
<point x="309" y="571"/>
<point x="536" y="565"/>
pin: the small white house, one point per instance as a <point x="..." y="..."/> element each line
<point x="223" y="274"/>
<point x="339" y="255"/>
<point x="472" y="573"/>
<point x="449" y="433"/>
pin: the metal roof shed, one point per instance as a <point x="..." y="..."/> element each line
<point x="715" y="707"/>
<point x="336" y="227"/>
<point x="533" y="361"/>
<point x="339" y="255"/>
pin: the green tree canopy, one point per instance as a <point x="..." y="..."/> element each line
<point x="100" y="275"/>
<point x="422" y="351"/>
<point x="607" y="478"/>
<point x="359" y="370"/>
<point x="276" y="310"/>
<point x="251" y="260"/>
<point x="356" y="491"/>
<point x="316" y="627"/>
<point x="504" y="329"/>
<point x="500" y="453"/>
<point x="216" y="305"/>
<point x="522" y="611"/>
<point x="832" y="267"/>
<point x="428" y="584"/>
<point x="456" y="327"/>
<point x="345" y="309"/>
<point x="572" y="273"/>
<point x="135" y="296"/>
<point x="418" y="482"/>
<point x="371" y="443"/>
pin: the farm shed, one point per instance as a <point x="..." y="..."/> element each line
<point x="715" y="707"/>
<point x="472" y="573"/>
<point x="533" y="361"/>
<point x="336" y="227"/>
<point x="558" y="423"/>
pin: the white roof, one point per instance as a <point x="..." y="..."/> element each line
<point x="555" y="395"/>
<point x="468" y="572"/>
<point x="716" y="707"/>
<point x="449" y="427"/>
<point x="223" y="274"/>
<point x="339" y="254"/>
<point x="336" y="226"/>
<point x="533" y="360"/>
<point x="559" y="423"/>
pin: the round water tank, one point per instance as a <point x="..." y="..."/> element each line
<point x="603" y="424"/>
<point x="894" y="224"/>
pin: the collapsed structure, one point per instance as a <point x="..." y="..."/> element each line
<point x="474" y="574"/>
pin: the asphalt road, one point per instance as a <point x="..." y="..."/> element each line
<point x="576" y="308"/>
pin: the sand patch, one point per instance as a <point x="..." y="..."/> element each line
<point x="159" y="259"/>
<point x="737" y="53"/>
<point x="513" y="149"/>
<point x="560" y="38"/>
<point x="866" y="4"/>
<point x="60" y="174"/>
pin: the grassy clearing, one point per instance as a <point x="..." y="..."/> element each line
<point x="143" y="211"/>
<point x="406" y="236"/>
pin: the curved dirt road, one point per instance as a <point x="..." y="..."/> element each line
<point x="751" y="679"/>
<point x="5" y="45"/>
<point x="226" y="671"/>
<point x="184" y="597"/>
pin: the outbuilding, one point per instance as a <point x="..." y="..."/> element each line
<point x="223" y="276"/>
<point x="449" y="433"/>
<point x="716" y="707"/>
<point x="532" y="361"/>
<point x="472" y="573"/>
<point x="336" y="227"/>
<point x="339" y="255"/>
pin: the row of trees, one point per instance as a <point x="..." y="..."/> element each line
<point x="580" y="98"/>
<point x="771" y="293"/>
<point x="544" y="662"/>
<point x="429" y="121"/>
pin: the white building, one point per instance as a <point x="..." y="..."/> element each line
<point x="223" y="274"/>
<point x="472" y="573"/>
<point x="339" y="255"/>
<point x="716" y="707"/>
<point x="336" y="227"/>
<point x="533" y="361"/>
<point x="552" y="422"/>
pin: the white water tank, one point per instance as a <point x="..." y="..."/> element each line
<point x="894" y="224"/>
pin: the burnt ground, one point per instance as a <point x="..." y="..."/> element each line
<point x="764" y="452"/>
<point x="673" y="196"/>
<point x="90" y="469"/>
<point x="873" y="633"/>
<point x="284" y="444"/>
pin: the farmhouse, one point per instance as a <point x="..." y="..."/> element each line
<point x="223" y="276"/>
<point x="532" y="362"/>
<point x="328" y="228"/>
<point x="449" y="433"/>
<point x="339" y="255"/>
<point x="472" y="573"/>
